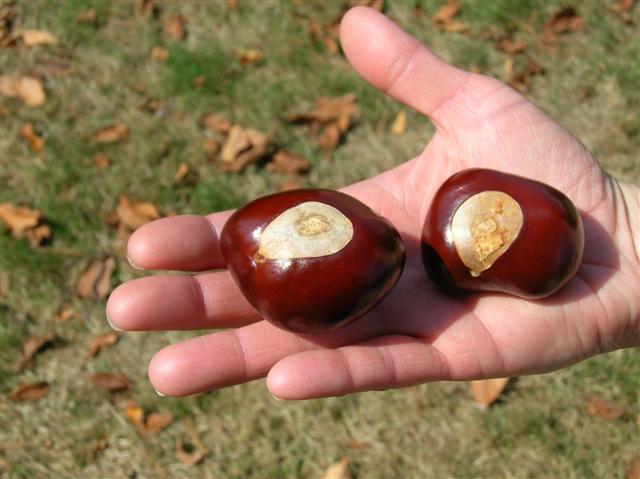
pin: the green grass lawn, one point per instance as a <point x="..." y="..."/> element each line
<point x="101" y="72"/>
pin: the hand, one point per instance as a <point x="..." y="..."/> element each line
<point x="416" y="334"/>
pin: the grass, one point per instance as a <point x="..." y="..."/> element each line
<point x="538" y="429"/>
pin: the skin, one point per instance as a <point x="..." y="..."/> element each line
<point x="416" y="334"/>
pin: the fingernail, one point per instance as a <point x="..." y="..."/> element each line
<point x="132" y="264"/>
<point x="113" y="326"/>
<point x="276" y="398"/>
<point x="159" y="393"/>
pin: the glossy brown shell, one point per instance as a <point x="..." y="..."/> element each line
<point x="311" y="295"/>
<point x="543" y="257"/>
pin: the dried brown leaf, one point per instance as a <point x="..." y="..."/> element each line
<point x="399" y="126"/>
<point x="182" y="172"/>
<point x="88" y="16"/>
<point x="447" y="11"/>
<point x="101" y="160"/>
<point x="339" y="470"/>
<point x="34" y="38"/>
<point x="28" y="133"/>
<point x="174" y="27"/>
<point x="95" y="281"/>
<point x="249" y="57"/>
<point x="31" y="91"/>
<point x="231" y="4"/>
<point x="157" y="421"/>
<point x="19" y="219"/>
<point x="98" y="446"/>
<point x="112" y="133"/>
<point x="29" y="349"/>
<point x="487" y="391"/>
<point x="375" y="4"/>
<point x="134" y="214"/>
<point x="199" y="81"/>
<point x="97" y="343"/>
<point x="597" y="406"/>
<point x="327" y="110"/>
<point x="287" y="162"/>
<point x="7" y="19"/>
<point x="8" y="86"/>
<point x="563" y="21"/>
<point x="29" y="391"/>
<point x="623" y="9"/>
<point x="211" y="148"/>
<point x="187" y="454"/>
<point x="147" y="8"/>
<point x="330" y="137"/>
<point x="36" y="236"/>
<point x="111" y="382"/>
<point x="65" y="313"/>
<point x="217" y="123"/>
<point x="242" y="147"/>
<point x="512" y="47"/>
<point x="633" y="471"/>
<point x="159" y="53"/>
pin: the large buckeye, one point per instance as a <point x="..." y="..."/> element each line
<point x="312" y="260"/>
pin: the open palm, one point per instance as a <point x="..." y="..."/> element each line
<point x="416" y="334"/>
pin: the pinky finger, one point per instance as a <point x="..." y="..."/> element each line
<point x="382" y="363"/>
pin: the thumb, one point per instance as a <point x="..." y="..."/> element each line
<point x="398" y="64"/>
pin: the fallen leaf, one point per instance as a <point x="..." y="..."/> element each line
<point x="157" y="421"/>
<point x="134" y="214"/>
<point x="375" y="4"/>
<point x="112" y="382"/>
<point x="339" y="470"/>
<point x="19" y="219"/>
<point x="599" y="407"/>
<point x="97" y="343"/>
<point x="563" y="21"/>
<point x="399" y="126"/>
<point x="29" y="349"/>
<point x="159" y="53"/>
<point x="65" y="313"/>
<point x="36" y="236"/>
<point x="287" y="185"/>
<point x="31" y="91"/>
<point x="487" y="391"/>
<point x="29" y="391"/>
<point x="633" y="471"/>
<point x="7" y="20"/>
<point x="249" y="57"/>
<point x="217" y="123"/>
<point x="134" y="414"/>
<point x="8" y="86"/>
<point x="95" y="280"/>
<point x="187" y="454"/>
<point x="33" y="38"/>
<point x="101" y="160"/>
<point x="147" y="8"/>
<point x="35" y="142"/>
<point x="330" y="137"/>
<point x="88" y="16"/>
<point x="520" y="79"/>
<point x="447" y="11"/>
<point x="98" y="446"/>
<point x="199" y="81"/>
<point x="183" y="170"/>
<point x="512" y="47"/>
<point x="174" y="27"/>
<point x="443" y="17"/>
<point x="334" y="114"/>
<point x="623" y="9"/>
<point x="211" y="148"/>
<point x="152" y="105"/>
<point x="242" y="147"/>
<point x="231" y="4"/>
<point x="112" y="133"/>
<point x="288" y="162"/>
